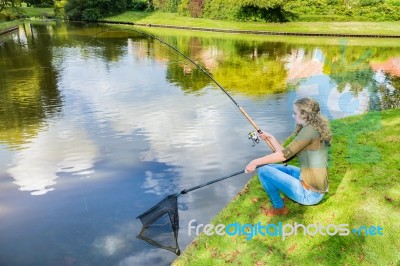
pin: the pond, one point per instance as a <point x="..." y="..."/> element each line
<point x="99" y="123"/>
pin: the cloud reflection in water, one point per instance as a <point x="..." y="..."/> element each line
<point x="57" y="150"/>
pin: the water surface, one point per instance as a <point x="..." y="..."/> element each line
<point x="97" y="126"/>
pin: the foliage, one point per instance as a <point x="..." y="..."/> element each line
<point x="59" y="8"/>
<point x="6" y="3"/>
<point x="357" y="10"/>
<point x="221" y="9"/>
<point x="9" y="3"/>
<point x="393" y="2"/>
<point x="138" y="5"/>
<point x="391" y="93"/>
<point x="244" y="10"/>
<point x="183" y="8"/>
<point x="195" y="8"/>
<point x="166" y="5"/>
<point x="235" y="10"/>
<point x="92" y="10"/>
<point x="270" y="14"/>
<point x="39" y="3"/>
<point x="292" y="10"/>
<point x="370" y="2"/>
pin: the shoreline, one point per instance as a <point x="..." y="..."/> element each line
<point x="257" y="32"/>
<point x="8" y="30"/>
<point x="348" y="179"/>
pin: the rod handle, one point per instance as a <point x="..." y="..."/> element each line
<point x="256" y="127"/>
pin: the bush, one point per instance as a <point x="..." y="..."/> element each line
<point x="272" y="10"/>
<point x="195" y="8"/>
<point x="370" y="2"/>
<point x="273" y="14"/>
<point x="39" y="3"/>
<point x="393" y="2"/>
<point x="92" y="10"/>
<point x="221" y="9"/>
<point x="59" y="8"/>
<point x="183" y="8"/>
<point x="166" y="5"/>
<point x="138" y="5"/>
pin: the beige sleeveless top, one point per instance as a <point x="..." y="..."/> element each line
<point x="312" y="153"/>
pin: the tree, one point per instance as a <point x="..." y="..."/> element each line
<point x="41" y="3"/>
<point x="93" y="9"/>
<point x="6" y="3"/>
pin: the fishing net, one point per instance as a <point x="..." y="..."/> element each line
<point x="161" y="224"/>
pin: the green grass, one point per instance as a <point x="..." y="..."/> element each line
<point x="38" y="12"/>
<point x="14" y="14"/>
<point x="30" y="12"/>
<point x="8" y="24"/>
<point x="299" y="40"/>
<point x="364" y="190"/>
<point x="392" y="28"/>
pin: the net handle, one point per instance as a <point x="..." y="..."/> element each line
<point x="214" y="181"/>
<point x="211" y="182"/>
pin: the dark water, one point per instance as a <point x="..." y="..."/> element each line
<point x="96" y="129"/>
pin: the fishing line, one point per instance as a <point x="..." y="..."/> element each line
<point x="252" y="137"/>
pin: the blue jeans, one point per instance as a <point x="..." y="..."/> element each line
<point x="277" y="177"/>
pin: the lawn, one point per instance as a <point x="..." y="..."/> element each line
<point x="38" y="12"/>
<point x="8" y="24"/>
<point x="390" y="28"/>
<point x="364" y="191"/>
<point x="30" y="12"/>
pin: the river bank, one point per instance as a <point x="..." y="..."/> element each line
<point x="158" y="19"/>
<point x="8" y="26"/>
<point x="364" y="191"/>
<point x="173" y="20"/>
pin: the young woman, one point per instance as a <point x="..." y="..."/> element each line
<point x="307" y="184"/>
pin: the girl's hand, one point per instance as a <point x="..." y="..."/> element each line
<point x="250" y="167"/>
<point x="265" y="135"/>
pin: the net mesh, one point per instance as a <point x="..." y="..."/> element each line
<point x="161" y="224"/>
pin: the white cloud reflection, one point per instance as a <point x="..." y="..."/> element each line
<point x="109" y="245"/>
<point x="178" y="128"/>
<point x="57" y="150"/>
<point x="154" y="257"/>
<point x="121" y="243"/>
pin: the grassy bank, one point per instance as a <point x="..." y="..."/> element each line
<point x="33" y="12"/>
<point x="8" y="24"/>
<point x="9" y="14"/>
<point x="364" y="190"/>
<point x="299" y="40"/>
<point x="389" y="28"/>
<point x="27" y="12"/>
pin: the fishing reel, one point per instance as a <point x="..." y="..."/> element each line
<point x="253" y="136"/>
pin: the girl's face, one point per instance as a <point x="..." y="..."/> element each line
<point x="297" y="116"/>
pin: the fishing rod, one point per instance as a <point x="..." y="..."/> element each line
<point x="252" y="135"/>
<point x="163" y="218"/>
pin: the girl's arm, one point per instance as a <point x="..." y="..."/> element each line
<point x="275" y="157"/>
